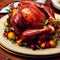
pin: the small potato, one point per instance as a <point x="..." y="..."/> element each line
<point x="11" y="35"/>
<point x="52" y="43"/>
<point x="42" y="45"/>
<point x="5" y="23"/>
<point x="19" y="42"/>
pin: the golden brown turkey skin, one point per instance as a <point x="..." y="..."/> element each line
<point x="17" y="23"/>
<point x="45" y="9"/>
<point x="32" y="34"/>
<point x="30" y="15"/>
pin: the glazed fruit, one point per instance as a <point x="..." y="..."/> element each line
<point x="39" y="42"/>
<point x="52" y="43"/>
<point x="42" y="45"/>
<point x="11" y="35"/>
<point x="5" y="23"/>
<point x="33" y="47"/>
<point x="19" y="42"/>
<point x="5" y="34"/>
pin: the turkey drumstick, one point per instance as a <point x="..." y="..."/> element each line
<point x="32" y="34"/>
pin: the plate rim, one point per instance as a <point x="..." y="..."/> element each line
<point x="56" y="6"/>
<point x="29" y="54"/>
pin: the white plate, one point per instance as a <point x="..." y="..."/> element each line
<point x="4" y="10"/>
<point x="22" y="50"/>
<point x="55" y="4"/>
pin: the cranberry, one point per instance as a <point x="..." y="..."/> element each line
<point x="45" y="42"/>
<point x="47" y="45"/>
<point x="57" y="27"/>
<point x="58" y="36"/>
<point x="39" y="42"/>
<point x="5" y="34"/>
<point x="17" y="37"/>
<point x="33" y="47"/>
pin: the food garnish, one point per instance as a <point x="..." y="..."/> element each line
<point x="36" y="28"/>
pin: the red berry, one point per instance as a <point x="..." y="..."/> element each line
<point x="5" y="34"/>
<point x="39" y="42"/>
<point x="33" y="47"/>
<point x="17" y="38"/>
<point x="45" y="42"/>
<point x="58" y="27"/>
<point x="47" y="45"/>
<point x="58" y="36"/>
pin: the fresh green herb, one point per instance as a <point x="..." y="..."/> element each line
<point x="57" y="22"/>
<point x="9" y="11"/>
<point x="55" y="36"/>
<point x="9" y="25"/>
<point x="24" y="44"/>
<point x="46" y="23"/>
<point x="5" y="30"/>
<point x="37" y="46"/>
<point x="8" y="21"/>
<point x="13" y="40"/>
<point x="16" y="7"/>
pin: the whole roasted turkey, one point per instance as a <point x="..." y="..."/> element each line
<point x="28" y="20"/>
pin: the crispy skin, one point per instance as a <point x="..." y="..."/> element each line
<point x="35" y="17"/>
<point x="48" y="11"/>
<point x="30" y="15"/>
<point x="32" y="34"/>
<point x="17" y="23"/>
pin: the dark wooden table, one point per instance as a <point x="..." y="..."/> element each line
<point x="7" y="56"/>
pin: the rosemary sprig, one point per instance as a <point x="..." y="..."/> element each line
<point x="55" y="37"/>
<point x="5" y="29"/>
<point x="46" y="22"/>
<point x="9" y="11"/>
<point x="37" y="46"/>
<point x="13" y="40"/>
<point x="25" y="44"/>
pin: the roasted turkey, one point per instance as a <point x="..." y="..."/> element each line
<point x="28" y="20"/>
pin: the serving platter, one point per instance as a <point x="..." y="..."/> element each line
<point x="18" y="50"/>
<point x="56" y="4"/>
<point x="4" y="10"/>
